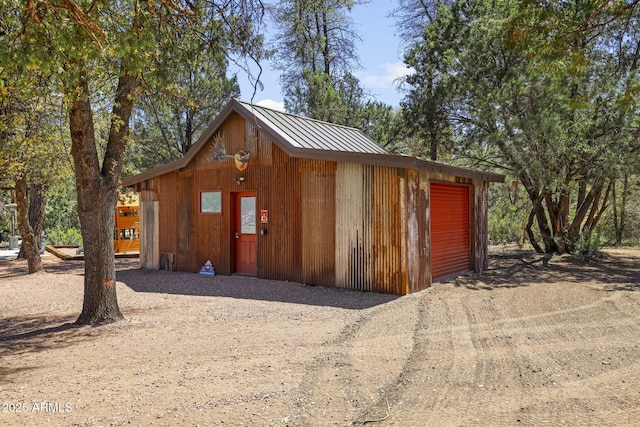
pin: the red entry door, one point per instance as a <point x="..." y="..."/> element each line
<point x="244" y="238"/>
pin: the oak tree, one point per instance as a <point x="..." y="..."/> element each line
<point x="100" y="52"/>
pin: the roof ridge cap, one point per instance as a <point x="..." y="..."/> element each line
<point x="250" y="105"/>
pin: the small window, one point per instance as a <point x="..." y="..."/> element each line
<point x="211" y="202"/>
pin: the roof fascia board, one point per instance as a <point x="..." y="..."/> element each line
<point x="399" y="161"/>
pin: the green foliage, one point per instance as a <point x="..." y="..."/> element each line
<point x="383" y="124"/>
<point x="62" y="210"/>
<point x="64" y="237"/>
<point x="315" y="50"/>
<point x="560" y="117"/>
<point x="586" y="245"/>
<point x="185" y="88"/>
<point x="507" y="213"/>
<point x="97" y="54"/>
<point x="621" y="223"/>
<point x="5" y="220"/>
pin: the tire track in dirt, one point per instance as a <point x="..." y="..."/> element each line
<point x="509" y="356"/>
<point x="347" y="383"/>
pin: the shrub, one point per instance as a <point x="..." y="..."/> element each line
<point x="587" y="245"/>
<point x="64" y="237"/>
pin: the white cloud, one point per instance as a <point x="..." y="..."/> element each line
<point x="389" y="77"/>
<point x="270" y="103"/>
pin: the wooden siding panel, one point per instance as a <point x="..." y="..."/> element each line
<point x="149" y="235"/>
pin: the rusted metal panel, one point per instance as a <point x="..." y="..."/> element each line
<point x="234" y="134"/>
<point x="185" y="259"/>
<point x="209" y="227"/>
<point x="168" y="201"/>
<point x="318" y="221"/>
<point x="480" y="227"/>
<point x="279" y="156"/>
<point x="418" y="231"/>
<point x="404" y="242"/>
<point x="353" y="227"/>
<point x="450" y="235"/>
<point x="415" y="200"/>
<point x="274" y="249"/>
<point x="386" y="228"/>
<point x="370" y="241"/>
<point x="425" y="231"/>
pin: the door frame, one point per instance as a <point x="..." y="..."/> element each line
<point x="235" y="196"/>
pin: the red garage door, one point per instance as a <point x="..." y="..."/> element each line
<point x="450" y="249"/>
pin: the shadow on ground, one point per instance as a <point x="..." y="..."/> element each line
<point x="15" y="268"/>
<point x="248" y="288"/>
<point x="27" y="334"/>
<point x="611" y="271"/>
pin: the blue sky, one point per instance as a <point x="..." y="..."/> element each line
<point x="379" y="52"/>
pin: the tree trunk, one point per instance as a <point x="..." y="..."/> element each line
<point x="621" y="218"/>
<point x="538" y="212"/>
<point x="97" y="195"/>
<point x="37" y="205"/>
<point x="593" y="220"/>
<point x="532" y="237"/>
<point x="29" y="239"/>
<point x="100" y="303"/>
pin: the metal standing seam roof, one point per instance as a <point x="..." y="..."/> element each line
<point x="305" y="133"/>
<point x="308" y="138"/>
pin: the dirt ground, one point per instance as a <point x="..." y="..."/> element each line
<point x="521" y="344"/>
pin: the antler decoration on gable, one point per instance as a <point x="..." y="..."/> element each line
<point x="218" y="148"/>
<point x="241" y="158"/>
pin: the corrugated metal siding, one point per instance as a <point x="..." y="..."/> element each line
<point x="480" y="226"/>
<point x="450" y="237"/>
<point x="369" y="239"/>
<point x="185" y="261"/>
<point x="418" y="231"/>
<point x="318" y="221"/>
<point x="168" y="212"/>
<point x="386" y="229"/>
<point x="353" y="227"/>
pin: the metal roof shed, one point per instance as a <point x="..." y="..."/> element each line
<point x="298" y="199"/>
